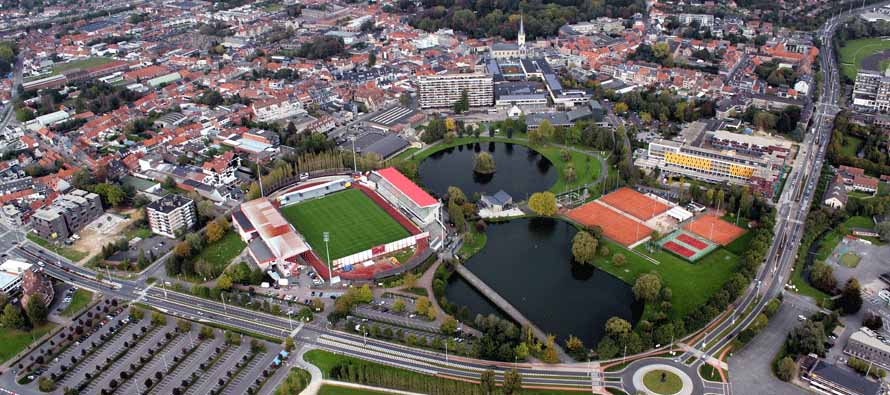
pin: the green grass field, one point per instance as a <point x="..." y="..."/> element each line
<point x="671" y="383"/>
<point x="221" y="252"/>
<point x="75" y="64"/>
<point x="80" y="299"/>
<point x="852" y="54"/>
<point x="67" y="252"/>
<point x="850" y="260"/>
<point x="354" y="221"/>
<point x="328" y="389"/>
<point x="851" y="146"/>
<point x="12" y="341"/>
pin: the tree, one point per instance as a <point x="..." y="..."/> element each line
<point x="569" y="172"/>
<point x="484" y="163"/>
<point x="158" y="319"/>
<point x="409" y="280"/>
<point x="12" y="317"/>
<point x="574" y="344"/>
<point x="851" y="297"/>
<point x="618" y="260"/>
<point x="872" y="321"/>
<point x="111" y="194"/>
<point x="543" y="203"/>
<point x="584" y="247"/>
<point x="422" y="305"/>
<point x="822" y="276"/>
<point x="456" y="214"/>
<point x="182" y="250"/>
<point x="512" y="382"/>
<point x="487" y="382"/>
<point x="786" y="369"/>
<point x="449" y="325"/>
<point x="463" y="103"/>
<point x="405" y="99"/>
<point x="620" y="108"/>
<point x="206" y="209"/>
<point x="398" y="306"/>
<point x="647" y="287"/>
<point x="224" y="282"/>
<point x="537" y="136"/>
<point x="372" y="59"/>
<point x="289" y="344"/>
<point x="183" y="325"/>
<point x="217" y="229"/>
<point x="36" y="310"/>
<point x="617" y="327"/>
<point x="550" y="354"/>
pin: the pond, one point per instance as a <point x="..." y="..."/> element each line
<point x="520" y="171"/>
<point x="529" y="263"/>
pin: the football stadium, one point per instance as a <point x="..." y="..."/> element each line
<point x="358" y="224"/>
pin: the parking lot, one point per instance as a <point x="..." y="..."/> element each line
<point x="118" y="352"/>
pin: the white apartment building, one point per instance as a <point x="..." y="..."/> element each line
<point x="444" y="90"/>
<point x="275" y="109"/>
<point x="171" y="214"/>
<point x="871" y="91"/>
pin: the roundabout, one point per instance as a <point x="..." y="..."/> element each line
<point x="662" y="378"/>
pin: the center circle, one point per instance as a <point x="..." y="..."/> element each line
<point x="662" y="382"/>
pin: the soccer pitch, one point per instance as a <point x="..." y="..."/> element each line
<point x="354" y="221"/>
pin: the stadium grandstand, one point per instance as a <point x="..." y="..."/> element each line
<point x="405" y="195"/>
<point x="272" y="242"/>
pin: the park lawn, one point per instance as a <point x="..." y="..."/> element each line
<point x="404" y="155"/>
<point x="13" y="341"/>
<point x="860" y="222"/>
<point x="670" y="385"/>
<point x="473" y="243"/>
<point x="80" y="299"/>
<point x="850" y="260"/>
<point x="883" y="188"/>
<point x="326" y="361"/>
<point x="855" y="51"/>
<point x="691" y="283"/>
<point x="69" y="253"/>
<point x="851" y="146"/>
<point x="329" y="389"/>
<point x="833" y="238"/>
<point x="354" y="221"/>
<point x="221" y="252"/>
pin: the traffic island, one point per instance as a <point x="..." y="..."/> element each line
<point x="662" y="379"/>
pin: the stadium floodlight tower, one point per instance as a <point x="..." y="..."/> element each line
<point x="327" y="237"/>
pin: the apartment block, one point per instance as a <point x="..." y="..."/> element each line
<point x="437" y="91"/>
<point x="871" y="91"/>
<point x="171" y="215"/>
<point x="67" y="215"/>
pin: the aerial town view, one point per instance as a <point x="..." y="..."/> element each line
<point x="548" y="197"/>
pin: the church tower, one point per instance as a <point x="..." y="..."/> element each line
<point x="520" y="38"/>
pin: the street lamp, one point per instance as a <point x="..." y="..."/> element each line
<point x="327" y="238"/>
<point x="354" y="166"/>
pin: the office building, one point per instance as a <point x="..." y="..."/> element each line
<point x="171" y="215"/>
<point x="67" y="215"/>
<point x="11" y="274"/>
<point x="868" y="348"/>
<point x="439" y="91"/>
<point x="825" y="378"/>
<point x="719" y="157"/>
<point x="871" y="91"/>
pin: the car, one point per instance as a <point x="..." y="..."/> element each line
<point x="801" y="318"/>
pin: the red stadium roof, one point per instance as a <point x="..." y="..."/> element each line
<point x="408" y="187"/>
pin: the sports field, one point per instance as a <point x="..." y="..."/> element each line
<point x="615" y="226"/>
<point x="635" y="203"/>
<point x="855" y="51"/>
<point x="354" y="221"/>
<point x="715" y="229"/>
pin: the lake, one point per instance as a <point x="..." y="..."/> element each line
<point x="529" y="262"/>
<point x="520" y="171"/>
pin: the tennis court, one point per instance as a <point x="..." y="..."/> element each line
<point x="686" y="245"/>
<point x="635" y="203"/>
<point x="715" y="229"/>
<point x="615" y="226"/>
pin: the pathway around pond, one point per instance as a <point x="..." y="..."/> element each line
<point x="508" y="308"/>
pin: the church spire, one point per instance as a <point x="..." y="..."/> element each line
<point x="520" y="38"/>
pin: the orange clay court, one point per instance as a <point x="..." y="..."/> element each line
<point x="715" y="229"/>
<point x="635" y="203"/>
<point x="615" y="226"/>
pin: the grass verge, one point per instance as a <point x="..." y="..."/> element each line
<point x="80" y="299"/>
<point x="69" y="253"/>
<point x="13" y="341"/>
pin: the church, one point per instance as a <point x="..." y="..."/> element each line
<point x="510" y="50"/>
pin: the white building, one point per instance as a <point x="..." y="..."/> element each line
<point x="436" y="91"/>
<point x="11" y="274"/>
<point x="275" y="109"/>
<point x="171" y="215"/>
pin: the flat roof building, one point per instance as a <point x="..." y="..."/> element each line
<point x="439" y="91"/>
<point x="67" y="215"/>
<point x="171" y="215"/>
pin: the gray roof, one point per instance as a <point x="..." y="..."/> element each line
<point x="260" y="250"/>
<point x="169" y="203"/>
<point x="383" y="144"/>
<point x="500" y="198"/>
<point x="845" y="378"/>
